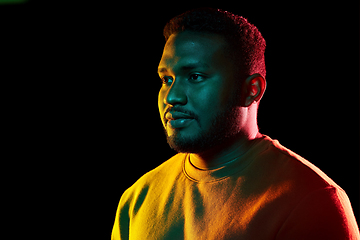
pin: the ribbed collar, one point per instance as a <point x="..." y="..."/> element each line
<point x="227" y="169"/>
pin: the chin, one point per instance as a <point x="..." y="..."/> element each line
<point x="183" y="145"/>
<point x="192" y="142"/>
<point x="197" y="139"/>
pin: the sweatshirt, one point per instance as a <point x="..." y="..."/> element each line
<point x="269" y="193"/>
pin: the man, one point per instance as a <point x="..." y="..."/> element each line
<point x="228" y="180"/>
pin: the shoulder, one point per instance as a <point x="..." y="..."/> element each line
<point x="317" y="208"/>
<point x="171" y="166"/>
<point x="322" y="214"/>
<point x="277" y="167"/>
<point x="168" y="169"/>
<point x="293" y="167"/>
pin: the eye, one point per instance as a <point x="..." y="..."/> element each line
<point x="196" y="77"/>
<point x="166" y="80"/>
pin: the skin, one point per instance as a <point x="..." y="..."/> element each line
<point x="201" y="81"/>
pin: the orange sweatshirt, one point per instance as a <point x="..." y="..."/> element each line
<point x="270" y="193"/>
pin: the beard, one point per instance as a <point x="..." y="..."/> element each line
<point x="224" y="126"/>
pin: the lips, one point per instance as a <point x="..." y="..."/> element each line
<point x="177" y="115"/>
<point x="178" y="119"/>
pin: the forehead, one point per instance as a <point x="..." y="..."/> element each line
<point x="193" y="48"/>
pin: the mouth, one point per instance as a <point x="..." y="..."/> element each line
<point x="178" y="119"/>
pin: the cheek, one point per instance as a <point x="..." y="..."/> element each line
<point x="209" y="102"/>
<point x="161" y="105"/>
<point x="213" y="99"/>
<point x="228" y="93"/>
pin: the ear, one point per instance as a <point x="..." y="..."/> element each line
<point x="253" y="89"/>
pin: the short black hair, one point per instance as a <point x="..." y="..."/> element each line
<point x="246" y="42"/>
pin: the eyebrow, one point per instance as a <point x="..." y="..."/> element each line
<point x="161" y="70"/>
<point x="187" y="67"/>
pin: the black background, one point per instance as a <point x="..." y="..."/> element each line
<point x="84" y="83"/>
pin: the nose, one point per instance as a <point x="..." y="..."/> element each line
<point x="176" y="94"/>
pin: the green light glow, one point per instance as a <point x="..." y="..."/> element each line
<point x="12" y="1"/>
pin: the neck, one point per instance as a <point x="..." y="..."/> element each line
<point x="228" y="151"/>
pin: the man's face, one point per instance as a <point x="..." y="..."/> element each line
<point x="199" y="95"/>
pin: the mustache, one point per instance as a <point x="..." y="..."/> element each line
<point x="180" y="109"/>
